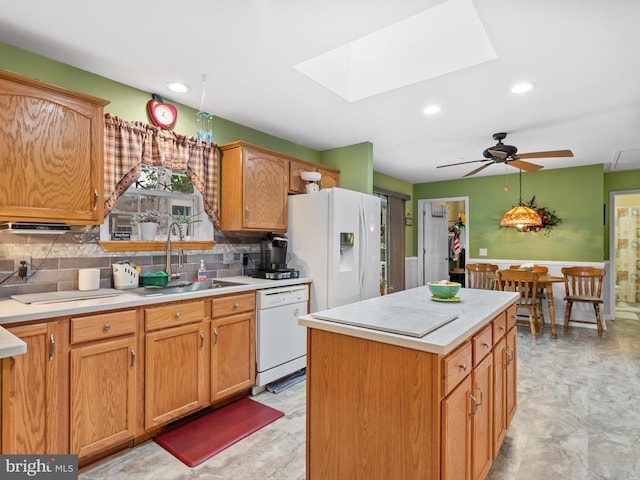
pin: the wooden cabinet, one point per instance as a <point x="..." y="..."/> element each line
<point x="232" y="345"/>
<point x="103" y="381"/>
<point x="330" y="177"/>
<point x="51" y="150"/>
<point x="456" y="433"/>
<point x="35" y="414"/>
<point x="377" y="410"/>
<point x="176" y="352"/>
<point x="253" y="189"/>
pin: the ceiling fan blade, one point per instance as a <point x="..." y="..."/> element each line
<point x="526" y="166"/>
<point x="549" y="154"/>
<point x="461" y="163"/>
<point x="479" y="169"/>
<point x="498" y="153"/>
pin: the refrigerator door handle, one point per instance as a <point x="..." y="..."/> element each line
<point x="364" y="247"/>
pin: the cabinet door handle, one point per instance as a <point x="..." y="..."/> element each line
<point x="133" y="358"/>
<point x="215" y="336"/>
<point x="201" y="339"/>
<point x="95" y="199"/>
<point x="107" y="327"/>
<point x="463" y="367"/>
<point x="509" y="355"/>
<point x="486" y="345"/>
<point x="178" y="315"/>
<point x="246" y="214"/>
<point x="474" y="407"/>
<point x="481" y="395"/>
<point x="502" y="329"/>
<point x="236" y="305"/>
<point x="52" y="345"/>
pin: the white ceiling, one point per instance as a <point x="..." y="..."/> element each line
<point x="582" y="56"/>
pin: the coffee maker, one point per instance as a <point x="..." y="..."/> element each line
<point x="273" y="258"/>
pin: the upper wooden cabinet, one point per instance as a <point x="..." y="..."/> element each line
<point x="51" y="151"/>
<point x="330" y="177"/>
<point x="253" y="189"/>
<point x="254" y="185"/>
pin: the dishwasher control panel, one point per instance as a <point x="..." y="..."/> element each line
<point x="275" y="297"/>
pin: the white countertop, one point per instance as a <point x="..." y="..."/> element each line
<point x="13" y="311"/>
<point x="416" y="308"/>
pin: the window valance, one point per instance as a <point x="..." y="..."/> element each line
<point x="128" y="145"/>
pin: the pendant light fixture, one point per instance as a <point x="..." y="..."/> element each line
<point x="521" y="216"/>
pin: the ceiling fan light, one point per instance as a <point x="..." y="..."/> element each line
<point x="521" y="216"/>
<point x="521" y="88"/>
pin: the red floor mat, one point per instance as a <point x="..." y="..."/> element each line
<point x="201" y="438"/>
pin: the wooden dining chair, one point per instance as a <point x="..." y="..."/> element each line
<point x="583" y="284"/>
<point x="477" y="275"/>
<point x="525" y="283"/>
<point x="541" y="295"/>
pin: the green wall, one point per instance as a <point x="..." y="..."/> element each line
<point x="574" y="193"/>
<point x="355" y="163"/>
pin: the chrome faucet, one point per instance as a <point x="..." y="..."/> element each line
<point x="168" y="251"/>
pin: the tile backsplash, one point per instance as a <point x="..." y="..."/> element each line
<point x="56" y="260"/>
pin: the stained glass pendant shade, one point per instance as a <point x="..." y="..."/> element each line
<point x="520" y="216"/>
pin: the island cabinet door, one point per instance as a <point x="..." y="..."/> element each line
<point x="499" y="394"/>
<point x="481" y="419"/>
<point x="511" y="373"/>
<point x="456" y="433"/>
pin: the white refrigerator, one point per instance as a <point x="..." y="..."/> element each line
<point x="334" y="238"/>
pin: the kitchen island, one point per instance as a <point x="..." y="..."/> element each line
<point x="384" y="402"/>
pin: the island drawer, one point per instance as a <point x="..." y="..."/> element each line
<point x="499" y="327"/>
<point x="106" y="325"/>
<point x="482" y="344"/>
<point x="456" y="366"/>
<point x="173" y="315"/>
<point x="510" y="313"/>
<point x="232" y="304"/>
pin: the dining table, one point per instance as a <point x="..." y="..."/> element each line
<point x="545" y="282"/>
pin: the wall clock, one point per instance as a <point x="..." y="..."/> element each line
<point x="163" y="115"/>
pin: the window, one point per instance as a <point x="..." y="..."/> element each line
<point x="167" y="191"/>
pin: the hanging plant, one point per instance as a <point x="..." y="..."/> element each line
<point x="549" y="218"/>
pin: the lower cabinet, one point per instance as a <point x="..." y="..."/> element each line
<point x="175" y="377"/>
<point x="35" y="414"/>
<point x="477" y="412"/>
<point x="233" y="363"/>
<point x="103" y="382"/>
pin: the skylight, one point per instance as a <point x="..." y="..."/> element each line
<point x="437" y="41"/>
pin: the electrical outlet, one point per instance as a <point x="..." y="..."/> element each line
<point x="22" y="270"/>
<point x="482" y="252"/>
<point x="227" y="258"/>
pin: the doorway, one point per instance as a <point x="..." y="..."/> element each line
<point x="392" y="239"/>
<point x="436" y="216"/>
<point x="624" y="252"/>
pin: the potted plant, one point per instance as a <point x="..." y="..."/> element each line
<point x="147" y="223"/>
<point x="185" y="220"/>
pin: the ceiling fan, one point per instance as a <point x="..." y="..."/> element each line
<point x="507" y="154"/>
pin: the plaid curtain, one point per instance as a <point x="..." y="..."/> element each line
<point x="127" y="145"/>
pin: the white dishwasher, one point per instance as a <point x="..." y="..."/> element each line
<point x="281" y="343"/>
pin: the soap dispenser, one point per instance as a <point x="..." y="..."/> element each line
<point x="202" y="272"/>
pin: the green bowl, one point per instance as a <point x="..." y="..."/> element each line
<point x="441" y="290"/>
<point x="158" y="279"/>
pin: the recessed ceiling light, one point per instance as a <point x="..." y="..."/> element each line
<point x="522" y="88"/>
<point x="432" y="110"/>
<point x="178" y="87"/>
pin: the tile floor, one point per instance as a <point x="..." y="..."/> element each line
<point x="578" y="418"/>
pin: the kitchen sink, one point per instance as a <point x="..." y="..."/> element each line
<point x="183" y="287"/>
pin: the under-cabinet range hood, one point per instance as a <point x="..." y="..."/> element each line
<point x="35" y="227"/>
